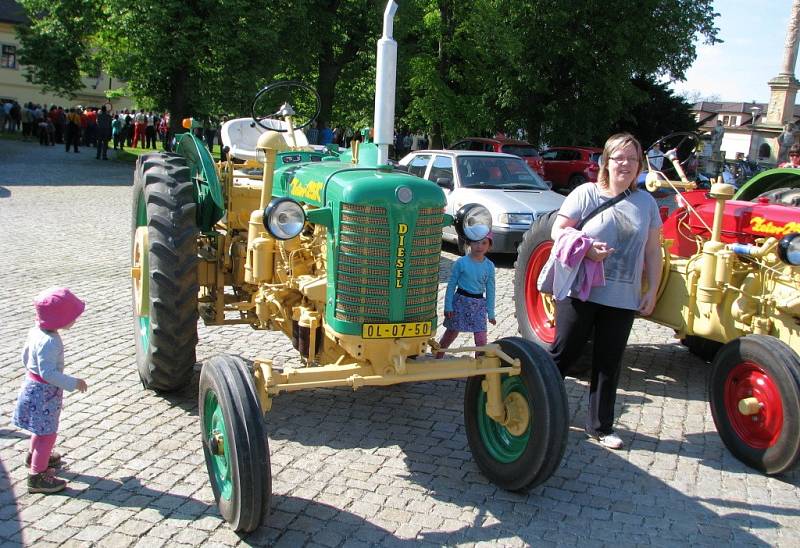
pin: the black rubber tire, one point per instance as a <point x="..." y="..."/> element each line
<point x="575" y="181"/>
<point x="162" y="183"/>
<point x="705" y="349"/>
<point x="549" y="420"/>
<point x="785" y="196"/>
<point x="781" y="365"/>
<point x="247" y="446"/>
<point x="537" y="235"/>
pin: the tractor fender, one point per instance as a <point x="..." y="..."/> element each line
<point x="208" y="191"/>
<point x="765" y="181"/>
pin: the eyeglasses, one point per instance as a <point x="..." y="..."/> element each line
<point x="624" y="159"/>
<point x="794" y="154"/>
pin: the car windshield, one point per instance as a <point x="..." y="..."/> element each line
<point x="595" y="157"/>
<point x="497" y="172"/>
<point x="521" y="150"/>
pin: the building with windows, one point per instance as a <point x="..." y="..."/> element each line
<point x="743" y="125"/>
<point x="14" y="86"/>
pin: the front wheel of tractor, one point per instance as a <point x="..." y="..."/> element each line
<point x="234" y="442"/>
<point x="754" y="390"/>
<point x="525" y="450"/>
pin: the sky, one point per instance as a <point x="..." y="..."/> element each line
<point x="751" y="54"/>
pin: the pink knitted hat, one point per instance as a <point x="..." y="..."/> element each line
<point x="57" y="307"/>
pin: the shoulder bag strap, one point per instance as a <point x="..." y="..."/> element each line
<point x="605" y="205"/>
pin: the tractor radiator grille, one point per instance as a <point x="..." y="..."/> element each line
<point x="366" y="265"/>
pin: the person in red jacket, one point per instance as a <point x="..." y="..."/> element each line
<point x="140" y="123"/>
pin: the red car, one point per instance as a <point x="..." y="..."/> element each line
<point x="522" y="149"/>
<point x="568" y="167"/>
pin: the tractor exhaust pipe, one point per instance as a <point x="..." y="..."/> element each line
<point x="385" y="80"/>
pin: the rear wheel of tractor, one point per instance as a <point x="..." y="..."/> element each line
<point x="786" y="196"/>
<point x="754" y="390"/>
<point x="164" y="270"/>
<point x="703" y="348"/>
<point x="536" y="311"/>
<point x="526" y="450"/>
<point x="234" y="442"/>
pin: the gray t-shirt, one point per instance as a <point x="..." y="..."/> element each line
<point x="623" y="226"/>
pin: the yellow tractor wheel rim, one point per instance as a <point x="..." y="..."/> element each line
<point x="140" y="272"/>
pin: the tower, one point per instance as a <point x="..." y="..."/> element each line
<point x="776" y="132"/>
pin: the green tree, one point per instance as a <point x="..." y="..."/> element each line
<point x="192" y="58"/>
<point x="562" y="70"/>
<point x="657" y="112"/>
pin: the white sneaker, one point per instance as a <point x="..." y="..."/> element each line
<point x="612" y="441"/>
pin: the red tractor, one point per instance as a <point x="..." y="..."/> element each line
<point x="731" y="291"/>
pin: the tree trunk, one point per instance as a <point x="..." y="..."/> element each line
<point x="329" y="71"/>
<point x="442" y="64"/>
<point x="178" y="108"/>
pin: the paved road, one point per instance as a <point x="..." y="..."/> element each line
<point x="381" y="466"/>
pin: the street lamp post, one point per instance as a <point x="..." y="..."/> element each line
<point x="755" y="112"/>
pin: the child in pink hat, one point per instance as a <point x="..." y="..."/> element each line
<point x="40" y="399"/>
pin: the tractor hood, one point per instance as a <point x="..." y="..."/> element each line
<point x="745" y="221"/>
<point x="323" y="183"/>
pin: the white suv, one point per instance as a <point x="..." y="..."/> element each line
<point x="504" y="183"/>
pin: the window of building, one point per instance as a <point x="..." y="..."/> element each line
<point x="8" y="56"/>
<point x="730" y="120"/>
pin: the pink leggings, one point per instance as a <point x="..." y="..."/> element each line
<point x="41" y="447"/>
<point x="450" y="335"/>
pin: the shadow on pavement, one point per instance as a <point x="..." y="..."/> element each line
<point x="9" y="512"/>
<point x="12" y="434"/>
<point x="29" y="164"/>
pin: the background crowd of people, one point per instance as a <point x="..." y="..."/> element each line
<point x="90" y="126"/>
<point x="101" y="128"/>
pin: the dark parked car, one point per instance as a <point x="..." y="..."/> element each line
<point x="568" y="167"/>
<point x="522" y="149"/>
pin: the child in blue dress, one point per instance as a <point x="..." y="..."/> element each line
<point x="40" y="399"/>
<point x="470" y="295"/>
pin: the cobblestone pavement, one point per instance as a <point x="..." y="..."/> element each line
<point x="380" y="466"/>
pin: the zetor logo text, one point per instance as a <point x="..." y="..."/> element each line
<point x="400" y="262"/>
<point x="763" y="226"/>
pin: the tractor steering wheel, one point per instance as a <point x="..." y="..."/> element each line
<point x="286" y="109"/>
<point x="685" y="144"/>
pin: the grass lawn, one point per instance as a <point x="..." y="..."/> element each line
<point x="129" y="154"/>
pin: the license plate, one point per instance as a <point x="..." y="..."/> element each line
<point x="395" y="330"/>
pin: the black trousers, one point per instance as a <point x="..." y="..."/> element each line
<point x="150" y="137"/>
<point x="609" y="328"/>
<point x="102" y="147"/>
<point x="73" y="136"/>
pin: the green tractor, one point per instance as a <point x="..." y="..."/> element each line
<point x="340" y="252"/>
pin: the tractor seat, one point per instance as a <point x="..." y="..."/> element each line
<point x="241" y="136"/>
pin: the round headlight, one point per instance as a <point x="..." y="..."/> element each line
<point x="284" y="218"/>
<point x="473" y="222"/>
<point x="789" y="249"/>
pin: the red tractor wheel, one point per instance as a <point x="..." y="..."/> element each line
<point x="754" y="391"/>
<point x="535" y="311"/>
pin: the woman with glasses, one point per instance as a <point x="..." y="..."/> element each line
<point x="625" y="238"/>
<point x="794" y="157"/>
